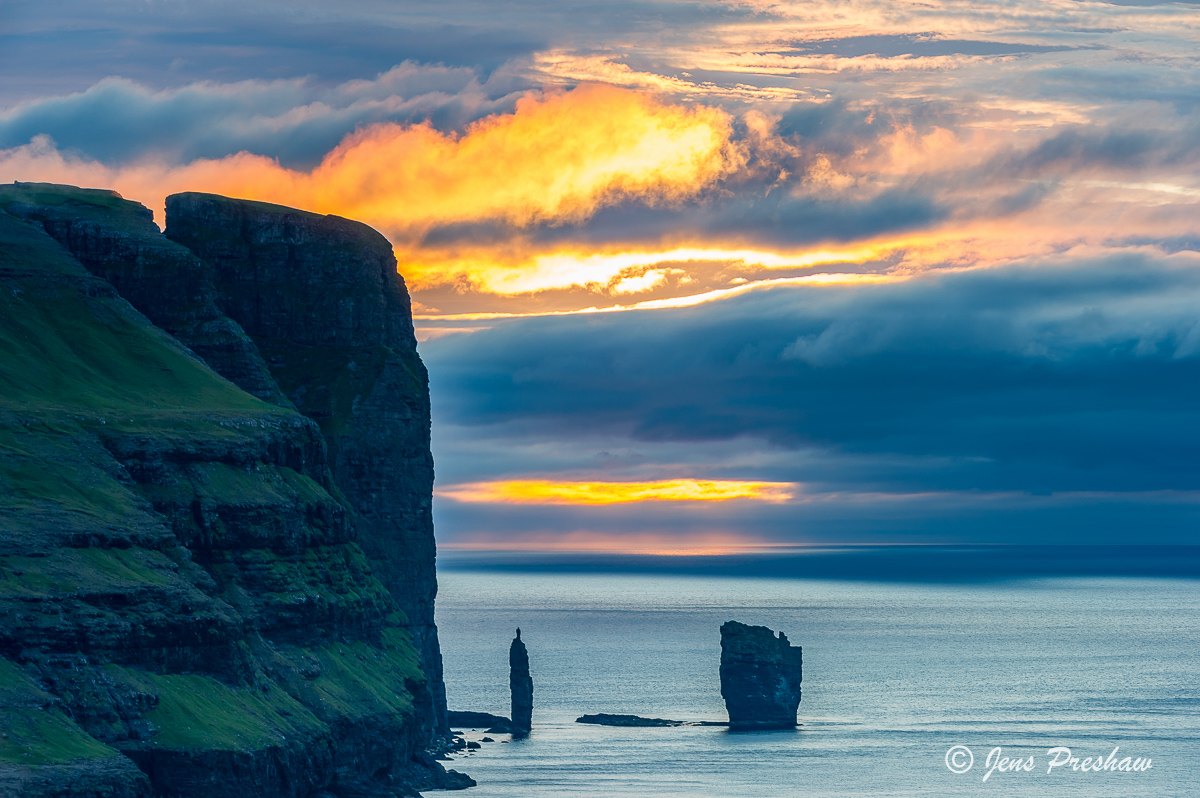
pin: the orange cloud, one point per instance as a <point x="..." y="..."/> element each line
<point x="557" y="157"/>
<point x="534" y="491"/>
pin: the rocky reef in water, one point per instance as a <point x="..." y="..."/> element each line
<point x="608" y="719"/>
<point x="197" y="592"/>
<point x="760" y="677"/>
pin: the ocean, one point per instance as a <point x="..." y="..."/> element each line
<point x="895" y="676"/>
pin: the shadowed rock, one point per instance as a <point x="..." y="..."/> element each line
<point x="475" y="720"/>
<point x="606" y="719"/>
<point x="521" y="685"/>
<point x="206" y="623"/>
<point x="760" y="677"/>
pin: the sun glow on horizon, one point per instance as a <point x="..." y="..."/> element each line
<point x="559" y="269"/>
<point x="588" y="542"/>
<point x="538" y="491"/>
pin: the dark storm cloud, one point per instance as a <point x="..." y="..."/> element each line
<point x="165" y="45"/>
<point x="776" y="219"/>
<point x="295" y="121"/>
<point x="1124" y="149"/>
<point x="1046" y="378"/>
<point x="254" y="49"/>
<point x="69" y="45"/>
<point x="779" y="219"/>
<point x="835" y="125"/>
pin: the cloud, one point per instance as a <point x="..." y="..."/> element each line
<point x="1123" y="149"/>
<point x="297" y="122"/>
<point x="917" y="44"/>
<point x="1034" y="133"/>
<point x="557" y="157"/>
<point x="169" y="45"/>
<point x="941" y="280"/>
<point x="1049" y="376"/>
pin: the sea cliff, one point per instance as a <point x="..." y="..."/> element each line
<point x="195" y="595"/>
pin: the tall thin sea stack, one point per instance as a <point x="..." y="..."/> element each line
<point x="760" y="677"/>
<point x="521" y="685"/>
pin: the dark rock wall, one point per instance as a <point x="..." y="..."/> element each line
<point x="184" y="607"/>
<point x="321" y="297"/>
<point x="760" y="677"/>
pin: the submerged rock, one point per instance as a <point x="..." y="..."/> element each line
<point x="521" y="685"/>
<point x="760" y="677"/>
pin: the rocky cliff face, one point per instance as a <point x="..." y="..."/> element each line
<point x="760" y="677"/>
<point x="184" y="607"/>
<point x="322" y="299"/>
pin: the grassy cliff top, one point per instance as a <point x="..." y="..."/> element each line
<point x="61" y="194"/>
<point x="92" y="204"/>
<point x="69" y="344"/>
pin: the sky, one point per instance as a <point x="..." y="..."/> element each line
<point x="712" y="277"/>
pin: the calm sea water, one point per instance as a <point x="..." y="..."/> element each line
<point x="894" y="675"/>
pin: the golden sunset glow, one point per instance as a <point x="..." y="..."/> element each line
<point x="682" y="301"/>
<point x="533" y="491"/>
<point x="550" y="270"/>
<point x="695" y="544"/>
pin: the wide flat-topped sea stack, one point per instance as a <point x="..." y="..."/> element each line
<point x="760" y="677"/>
